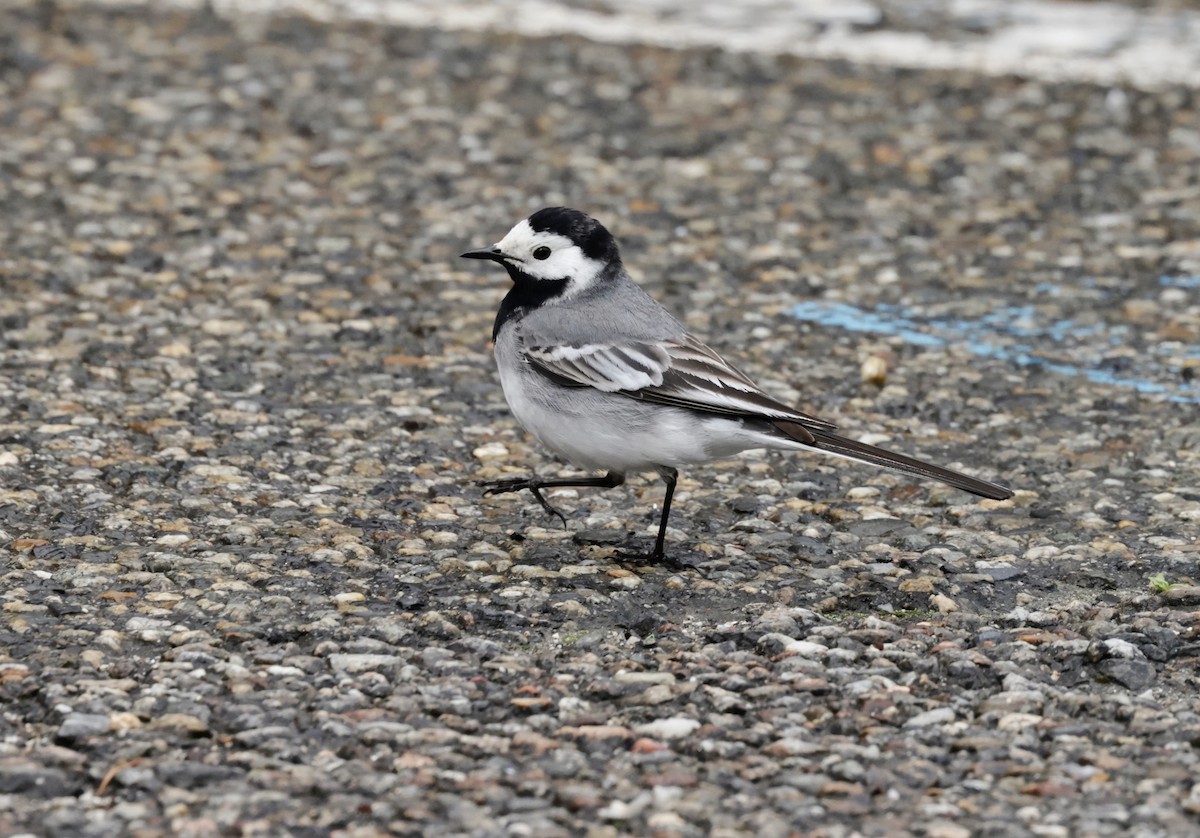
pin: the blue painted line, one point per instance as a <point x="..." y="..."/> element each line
<point x="1179" y="281"/>
<point x="992" y="336"/>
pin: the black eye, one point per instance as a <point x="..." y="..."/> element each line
<point x="542" y="252"/>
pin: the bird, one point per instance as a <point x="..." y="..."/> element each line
<point x="606" y="378"/>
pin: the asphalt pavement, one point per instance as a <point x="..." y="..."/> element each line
<point x="249" y="584"/>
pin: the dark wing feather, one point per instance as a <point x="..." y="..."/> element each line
<point x="861" y="451"/>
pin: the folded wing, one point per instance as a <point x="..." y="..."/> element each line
<point x="681" y="372"/>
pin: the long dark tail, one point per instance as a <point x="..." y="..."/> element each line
<point x="823" y="440"/>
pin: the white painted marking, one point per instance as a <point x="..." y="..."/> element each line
<point x="1101" y="42"/>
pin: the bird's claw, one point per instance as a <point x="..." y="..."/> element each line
<point x="537" y="493"/>
<point x="517" y="484"/>
<point x="500" y="487"/>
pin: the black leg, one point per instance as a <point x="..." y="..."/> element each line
<point x="669" y="475"/>
<point x="516" y="484"/>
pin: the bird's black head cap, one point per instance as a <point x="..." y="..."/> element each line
<point x="593" y="239"/>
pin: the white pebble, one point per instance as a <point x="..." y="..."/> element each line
<point x="675" y="727"/>
<point x="941" y="715"/>
<point x="491" y="451"/>
<point x="1118" y="648"/>
<point x="223" y="328"/>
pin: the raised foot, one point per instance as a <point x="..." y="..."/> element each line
<point x="508" y="484"/>
<point x="517" y="484"/>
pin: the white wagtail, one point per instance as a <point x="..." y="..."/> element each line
<point x="603" y="376"/>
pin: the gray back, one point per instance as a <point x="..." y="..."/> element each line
<point x="617" y="310"/>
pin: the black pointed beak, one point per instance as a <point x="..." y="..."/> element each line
<point x="492" y="254"/>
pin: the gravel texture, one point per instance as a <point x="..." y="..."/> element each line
<point x="249" y="587"/>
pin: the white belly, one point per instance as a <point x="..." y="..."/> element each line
<point x="613" y="432"/>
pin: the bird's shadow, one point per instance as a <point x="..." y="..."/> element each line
<point x="635" y="552"/>
<point x="619" y="547"/>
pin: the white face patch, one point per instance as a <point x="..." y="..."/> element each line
<point x="565" y="260"/>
